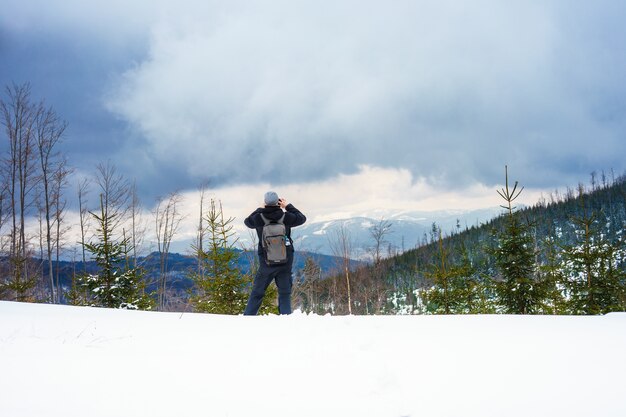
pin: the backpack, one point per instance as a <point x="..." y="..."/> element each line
<point x="275" y="241"/>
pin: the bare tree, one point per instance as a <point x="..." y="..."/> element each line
<point x="59" y="182"/>
<point x="167" y="220"/>
<point x="4" y="240"/>
<point x="138" y="227"/>
<point x="115" y="191"/>
<point x="308" y="291"/>
<point x="378" y="232"/>
<point x="40" y="223"/>
<point x="49" y="129"/>
<point x="83" y="189"/>
<point x="342" y="248"/>
<point x="201" y="230"/>
<point x="4" y="192"/>
<point x="21" y="176"/>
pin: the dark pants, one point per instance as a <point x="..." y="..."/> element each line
<point x="263" y="278"/>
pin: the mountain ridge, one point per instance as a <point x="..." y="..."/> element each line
<point x="408" y="229"/>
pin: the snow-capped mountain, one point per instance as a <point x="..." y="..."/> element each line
<point x="408" y="229"/>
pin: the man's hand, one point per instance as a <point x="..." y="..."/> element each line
<point x="282" y="203"/>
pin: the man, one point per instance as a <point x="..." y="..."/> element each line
<point x="275" y="209"/>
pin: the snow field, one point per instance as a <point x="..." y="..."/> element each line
<point x="79" y="361"/>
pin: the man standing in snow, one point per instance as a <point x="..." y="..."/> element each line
<point x="276" y="211"/>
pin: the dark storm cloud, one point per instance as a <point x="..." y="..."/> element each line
<point x="241" y="92"/>
<point x="69" y="65"/>
<point x="71" y="77"/>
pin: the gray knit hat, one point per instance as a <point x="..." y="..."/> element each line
<point x="271" y="198"/>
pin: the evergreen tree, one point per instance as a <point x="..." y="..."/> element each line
<point x="552" y="273"/>
<point x="443" y="296"/>
<point x="116" y="285"/>
<point x="457" y="288"/>
<point x="518" y="290"/>
<point x="596" y="280"/>
<point x="221" y="288"/>
<point x="475" y="292"/>
<point x="77" y="294"/>
<point x="74" y="297"/>
<point x="19" y="285"/>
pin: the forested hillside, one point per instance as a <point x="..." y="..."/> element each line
<point x="564" y="255"/>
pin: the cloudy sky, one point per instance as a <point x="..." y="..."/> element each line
<point x="340" y="106"/>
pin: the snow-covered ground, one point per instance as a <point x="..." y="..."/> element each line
<point x="76" y="361"/>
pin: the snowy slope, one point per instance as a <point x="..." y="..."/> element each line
<point x="73" y="361"/>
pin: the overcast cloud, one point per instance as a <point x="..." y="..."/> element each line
<point x="299" y="91"/>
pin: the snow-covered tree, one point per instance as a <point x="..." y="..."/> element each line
<point x="551" y="270"/>
<point x="596" y="281"/>
<point x="116" y="284"/>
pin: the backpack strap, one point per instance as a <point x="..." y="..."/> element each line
<point x="280" y="221"/>
<point x="268" y="221"/>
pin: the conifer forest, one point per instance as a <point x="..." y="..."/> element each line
<point x="564" y="255"/>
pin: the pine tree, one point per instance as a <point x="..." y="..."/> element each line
<point x="596" y="282"/>
<point x="552" y="273"/>
<point x="457" y="288"/>
<point x="442" y="296"/>
<point x="116" y="285"/>
<point x="221" y="289"/>
<point x="475" y="292"/>
<point x="76" y="296"/>
<point x="518" y="290"/>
